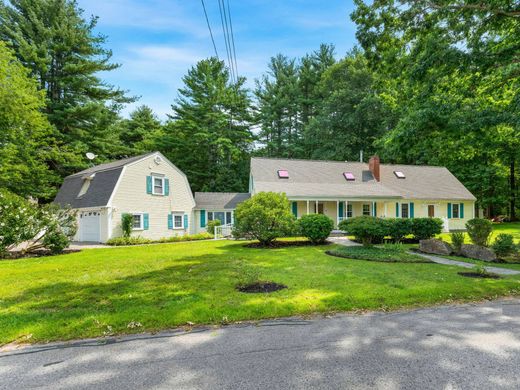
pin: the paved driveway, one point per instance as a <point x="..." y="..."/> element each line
<point x="450" y="347"/>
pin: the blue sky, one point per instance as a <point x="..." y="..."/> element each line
<point x="157" y="41"/>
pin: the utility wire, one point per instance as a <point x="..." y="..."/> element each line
<point x="222" y="11"/>
<point x="232" y="40"/>
<point x="209" y="27"/>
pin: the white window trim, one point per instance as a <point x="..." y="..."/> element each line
<point x="349" y="205"/>
<point x="153" y="185"/>
<point x="401" y="211"/>
<point x="141" y="227"/>
<point x="225" y="215"/>
<point x="369" y="210"/>
<point x="182" y="220"/>
<point x="453" y="211"/>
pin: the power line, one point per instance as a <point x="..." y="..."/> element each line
<point x="222" y="10"/>
<point x="232" y="39"/>
<point x="209" y="27"/>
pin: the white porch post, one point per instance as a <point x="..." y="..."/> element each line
<point x="346" y="209"/>
<point x="374" y="209"/>
<point x="307" y="206"/>
<point x="316" y="209"/>
<point x="337" y="212"/>
<point x="386" y="210"/>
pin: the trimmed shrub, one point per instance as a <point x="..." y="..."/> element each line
<point x="265" y="217"/>
<point x="398" y="228"/>
<point x="127" y="223"/>
<point x="210" y="227"/>
<point x="479" y="230"/>
<point x="119" y="241"/>
<point x="426" y="228"/>
<point x="503" y="245"/>
<point x="316" y="227"/>
<point x="457" y="239"/>
<point x="368" y="230"/>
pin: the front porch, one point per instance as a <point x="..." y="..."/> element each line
<point x="341" y="209"/>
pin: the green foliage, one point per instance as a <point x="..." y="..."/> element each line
<point x="389" y="253"/>
<point x="265" y="217"/>
<point x="127" y="224"/>
<point x="368" y="230"/>
<point x="457" y="239"/>
<point x="246" y="274"/>
<point x="503" y="245"/>
<point x="398" y="228"/>
<point x="209" y="135"/>
<point x="26" y="137"/>
<point x="210" y="227"/>
<point x="479" y="230"/>
<point x="316" y="227"/>
<point x="140" y="131"/>
<point x="121" y="241"/>
<point x="59" y="228"/>
<point x="425" y="228"/>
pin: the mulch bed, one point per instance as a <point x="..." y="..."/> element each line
<point x="477" y="275"/>
<point x="261" y="287"/>
<point x="40" y="253"/>
<point x="283" y="244"/>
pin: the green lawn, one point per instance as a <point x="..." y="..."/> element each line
<point x="102" y="291"/>
<point x="506" y="227"/>
<point x="384" y="253"/>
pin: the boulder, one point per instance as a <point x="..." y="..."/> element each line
<point x="437" y="247"/>
<point x="477" y="252"/>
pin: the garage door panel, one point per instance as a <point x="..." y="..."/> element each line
<point x="89" y="226"/>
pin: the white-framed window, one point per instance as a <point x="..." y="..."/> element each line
<point x="137" y="221"/>
<point x="225" y="217"/>
<point x="405" y="210"/>
<point x="349" y="210"/>
<point x="455" y="212"/>
<point x="366" y="209"/>
<point x="158" y="185"/>
<point x="177" y="220"/>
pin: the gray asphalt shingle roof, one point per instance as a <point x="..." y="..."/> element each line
<point x="325" y="178"/>
<point x="219" y="200"/>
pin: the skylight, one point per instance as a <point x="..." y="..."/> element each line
<point x="399" y="174"/>
<point x="283" y="174"/>
<point x="349" y="176"/>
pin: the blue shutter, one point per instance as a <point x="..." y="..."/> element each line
<point x="374" y="209"/>
<point x="411" y="210"/>
<point x="185" y="221"/>
<point x="341" y="212"/>
<point x="461" y="211"/>
<point x="202" y="218"/>
<point x="170" y="221"/>
<point x="148" y="184"/>
<point x="396" y="209"/>
<point x="146" y="221"/>
<point x="166" y="187"/>
<point x="449" y="210"/>
<point x="295" y="209"/>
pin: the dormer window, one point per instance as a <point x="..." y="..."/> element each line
<point x="86" y="184"/>
<point x="399" y="175"/>
<point x="283" y="174"/>
<point x="349" y="176"/>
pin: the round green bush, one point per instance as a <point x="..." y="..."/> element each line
<point x="426" y="228"/>
<point x="503" y="245"/>
<point x="210" y="227"/>
<point x="316" y="227"/>
<point x="265" y="217"/>
<point x="398" y="228"/>
<point x="368" y="230"/>
<point x="479" y="230"/>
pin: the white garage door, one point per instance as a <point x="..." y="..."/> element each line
<point x="89" y="223"/>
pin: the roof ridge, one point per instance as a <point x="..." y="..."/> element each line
<point x="94" y="168"/>
<point x="308" y="160"/>
<point x="219" y="192"/>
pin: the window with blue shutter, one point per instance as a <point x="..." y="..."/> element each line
<point x="396" y="209"/>
<point x="170" y="221"/>
<point x="374" y="209"/>
<point x="166" y="187"/>
<point x="148" y="184"/>
<point x="411" y="210"/>
<point x="295" y="209"/>
<point x="461" y="211"/>
<point x="146" y="222"/>
<point x="449" y="210"/>
<point x="202" y="218"/>
<point x="185" y="221"/>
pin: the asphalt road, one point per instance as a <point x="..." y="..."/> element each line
<point x="449" y="347"/>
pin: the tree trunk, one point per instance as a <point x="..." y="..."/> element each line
<point x="512" y="189"/>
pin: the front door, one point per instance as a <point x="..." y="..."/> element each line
<point x="431" y="211"/>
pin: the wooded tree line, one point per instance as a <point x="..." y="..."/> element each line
<point x="431" y="82"/>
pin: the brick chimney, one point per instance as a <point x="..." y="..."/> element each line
<point x="373" y="165"/>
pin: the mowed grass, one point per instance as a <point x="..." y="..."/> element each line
<point x="512" y="228"/>
<point x="384" y="253"/>
<point x="111" y="291"/>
